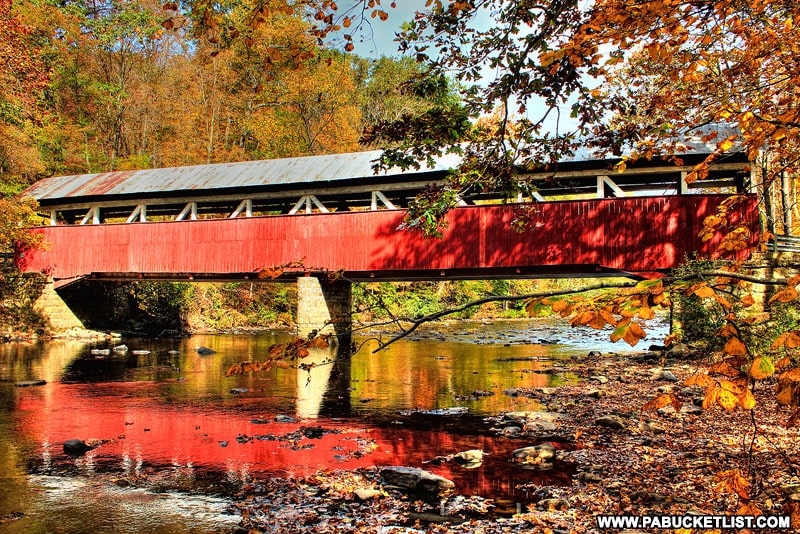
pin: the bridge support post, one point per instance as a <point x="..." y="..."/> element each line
<point x="324" y="308"/>
<point x="58" y="315"/>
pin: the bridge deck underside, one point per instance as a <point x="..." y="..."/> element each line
<point x="593" y="237"/>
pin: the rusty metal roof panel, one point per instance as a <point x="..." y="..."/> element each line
<point x="307" y="171"/>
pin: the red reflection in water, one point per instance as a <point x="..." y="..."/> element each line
<point x="145" y="431"/>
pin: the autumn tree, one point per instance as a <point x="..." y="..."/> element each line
<point x="313" y="110"/>
<point x="386" y="89"/>
<point x="23" y="78"/>
<point x="105" y="81"/>
<point x="24" y="75"/>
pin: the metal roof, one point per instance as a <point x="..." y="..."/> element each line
<point x="309" y="170"/>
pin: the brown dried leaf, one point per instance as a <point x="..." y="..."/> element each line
<point x="735" y="347"/>
<point x="703" y="291"/>
<point x="794" y="420"/>
<point x="749" y="509"/>
<point x="788" y="340"/>
<point x="608" y="317"/>
<point x="791" y="374"/>
<point x="728" y="330"/>
<point x="582" y="318"/>
<point x="633" y="334"/>
<point x="270" y="272"/>
<point x="661" y="299"/>
<point x="793" y="510"/>
<point x="785" y="394"/>
<point x="747" y="301"/>
<point x="725" y="303"/>
<point x="699" y="380"/>
<point x="598" y="322"/>
<point x="724" y="368"/>
<point x="780" y="341"/>
<point x="732" y="481"/>
<point x="788" y="392"/>
<point x="671" y="340"/>
<point x="663" y="400"/>
<point x="318" y="342"/>
<point x="784" y="296"/>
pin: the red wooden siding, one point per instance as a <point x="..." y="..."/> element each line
<point x="628" y="234"/>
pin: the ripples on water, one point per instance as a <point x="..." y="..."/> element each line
<point x="172" y="413"/>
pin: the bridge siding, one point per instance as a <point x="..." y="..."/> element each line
<point x="629" y="234"/>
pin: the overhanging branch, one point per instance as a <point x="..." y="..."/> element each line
<point x="700" y="275"/>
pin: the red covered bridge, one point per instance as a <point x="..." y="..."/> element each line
<point x="334" y="213"/>
<point x="588" y="237"/>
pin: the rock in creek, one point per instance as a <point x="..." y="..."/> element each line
<point x="76" y="447"/>
<point x="205" y="351"/>
<point x="366" y="494"/>
<point x="416" y="480"/>
<point x="30" y="383"/>
<point x="540" y="456"/>
<point x="469" y="459"/>
<point x="610" y="421"/>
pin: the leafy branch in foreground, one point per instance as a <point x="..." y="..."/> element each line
<point x="283" y="356"/>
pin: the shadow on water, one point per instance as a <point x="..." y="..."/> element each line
<point x="168" y="413"/>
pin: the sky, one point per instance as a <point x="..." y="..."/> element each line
<point x="376" y="39"/>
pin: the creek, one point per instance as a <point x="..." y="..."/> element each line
<point x="167" y="414"/>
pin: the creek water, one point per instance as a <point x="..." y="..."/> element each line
<point x="168" y="414"/>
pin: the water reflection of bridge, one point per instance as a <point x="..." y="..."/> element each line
<point x="159" y="418"/>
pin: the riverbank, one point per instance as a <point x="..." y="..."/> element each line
<point x="626" y="461"/>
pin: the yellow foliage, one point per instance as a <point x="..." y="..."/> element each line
<point x="746" y="399"/>
<point x="727" y="399"/>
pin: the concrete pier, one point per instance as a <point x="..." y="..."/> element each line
<point x="324" y="307"/>
<point x="58" y="315"/>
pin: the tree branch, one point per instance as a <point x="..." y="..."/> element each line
<point x="419" y="321"/>
<point x="416" y="323"/>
